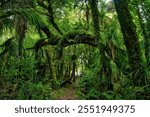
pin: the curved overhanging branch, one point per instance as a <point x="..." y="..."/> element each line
<point x="78" y="38"/>
<point x="67" y="40"/>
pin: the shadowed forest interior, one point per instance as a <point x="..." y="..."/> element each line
<point x="74" y="49"/>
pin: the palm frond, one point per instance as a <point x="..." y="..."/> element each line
<point x="32" y="17"/>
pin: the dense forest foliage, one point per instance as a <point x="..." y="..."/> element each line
<point x="75" y="49"/>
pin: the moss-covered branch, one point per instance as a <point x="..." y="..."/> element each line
<point x="71" y="38"/>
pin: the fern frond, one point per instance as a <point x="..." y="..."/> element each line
<point x="32" y="17"/>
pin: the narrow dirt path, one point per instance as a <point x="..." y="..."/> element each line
<point x="69" y="93"/>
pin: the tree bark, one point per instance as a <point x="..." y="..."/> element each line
<point x="21" y="27"/>
<point x="143" y="28"/>
<point x="52" y="70"/>
<point x="145" y="12"/>
<point x="131" y="41"/>
<point x="104" y="62"/>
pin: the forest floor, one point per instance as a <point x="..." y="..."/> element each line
<point x="66" y="93"/>
<point x="69" y="93"/>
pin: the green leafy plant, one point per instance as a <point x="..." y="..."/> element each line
<point x="34" y="91"/>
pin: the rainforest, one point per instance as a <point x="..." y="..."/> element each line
<point x="74" y="49"/>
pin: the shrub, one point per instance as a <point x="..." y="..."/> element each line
<point x="34" y="91"/>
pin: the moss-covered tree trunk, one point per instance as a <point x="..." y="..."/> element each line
<point x="145" y="20"/>
<point x="144" y="32"/>
<point x="104" y="63"/>
<point x="73" y="67"/>
<point x="52" y="70"/>
<point x="131" y="41"/>
<point x="21" y="27"/>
